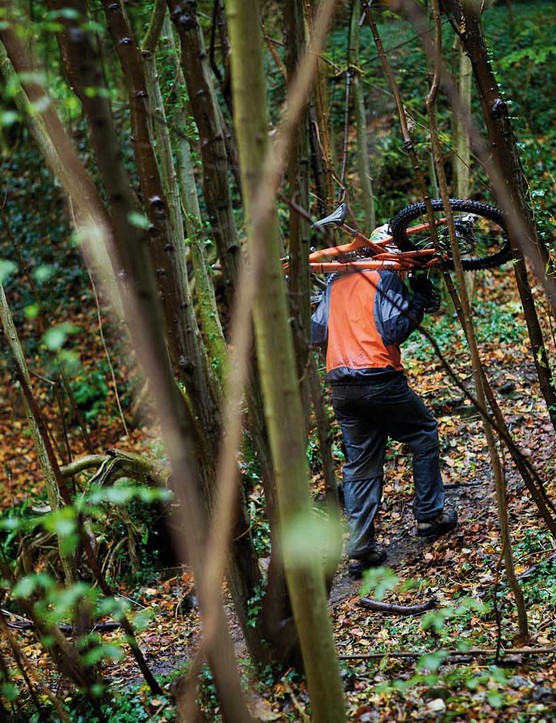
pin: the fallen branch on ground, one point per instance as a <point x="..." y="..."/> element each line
<point x="456" y="485"/>
<point x="114" y="465"/>
<point x="533" y="568"/>
<point x="395" y="609"/>
<point x="472" y="652"/>
<point x="18" y="622"/>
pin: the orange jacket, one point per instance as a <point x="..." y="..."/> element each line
<point x="363" y="317"/>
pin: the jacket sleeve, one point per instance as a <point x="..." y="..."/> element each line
<point x="319" y="320"/>
<point x="397" y="314"/>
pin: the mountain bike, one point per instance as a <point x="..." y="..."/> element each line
<point x="408" y="242"/>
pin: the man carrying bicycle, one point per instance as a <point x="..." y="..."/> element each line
<point x="363" y="318"/>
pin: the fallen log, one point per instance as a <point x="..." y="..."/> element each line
<point x="395" y="609"/>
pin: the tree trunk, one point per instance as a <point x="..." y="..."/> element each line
<point x="83" y="68"/>
<point x="278" y="370"/>
<point x="243" y="574"/>
<point x="461" y="162"/>
<point x="320" y="118"/>
<point x="300" y="281"/>
<point x="207" y="115"/>
<point x="365" y="183"/>
<point x="211" y="327"/>
<point x="297" y="178"/>
<point x="467" y="323"/>
<point x="461" y="142"/>
<point x="522" y="231"/>
<point x="165" y="233"/>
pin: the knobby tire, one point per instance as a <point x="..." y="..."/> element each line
<point x="485" y="214"/>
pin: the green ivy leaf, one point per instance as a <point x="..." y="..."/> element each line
<point x="9" y="691"/>
<point x="495" y="699"/>
<point x="31" y="311"/>
<point x="43" y="272"/>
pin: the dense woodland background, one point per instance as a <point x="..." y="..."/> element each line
<point x="170" y="538"/>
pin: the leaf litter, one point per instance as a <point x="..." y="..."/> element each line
<point x="461" y="572"/>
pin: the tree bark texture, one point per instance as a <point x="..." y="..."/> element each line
<point x="207" y="310"/>
<point x="320" y="118"/>
<point x="299" y="285"/>
<point x="462" y="143"/>
<point x="244" y="575"/>
<point x="298" y="183"/>
<point x="165" y="245"/>
<point x="365" y="182"/>
<point x="208" y="118"/>
<point x="278" y="370"/>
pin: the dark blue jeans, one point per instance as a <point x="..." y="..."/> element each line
<point x="368" y="415"/>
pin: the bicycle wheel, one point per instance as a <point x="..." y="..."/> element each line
<point x="480" y="231"/>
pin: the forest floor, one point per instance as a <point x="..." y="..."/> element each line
<point x="453" y="663"/>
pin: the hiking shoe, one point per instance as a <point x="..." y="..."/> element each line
<point x="356" y="568"/>
<point x="439" y="525"/>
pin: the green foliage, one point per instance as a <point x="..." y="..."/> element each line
<point x="90" y="390"/>
<point x="207" y="699"/>
<point x="255" y="606"/>
<point x="55" y="337"/>
<point x="522" y="55"/>
<point x="135" y="704"/>
<point x="379" y="581"/>
<point x="260" y="527"/>
<point x="123" y="517"/>
<point x="539" y="584"/>
<point x="524" y="63"/>
<point x="42" y="597"/>
<point x="486" y="684"/>
<point x="255" y="500"/>
<point x="455" y="688"/>
<point x="41" y="231"/>
<point x="436" y="620"/>
<point x="494" y="323"/>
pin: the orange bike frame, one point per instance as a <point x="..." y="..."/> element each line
<point x="326" y="261"/>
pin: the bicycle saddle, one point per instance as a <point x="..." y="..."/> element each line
<point x="337" y="217"/>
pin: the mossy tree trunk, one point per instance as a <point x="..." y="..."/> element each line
<point x="275" y="351"/>
<point x="165" y="233"/>
<point x="243" y="573"/>
<point x="299" y="285"/>
<point x="212" y="145"/>
<point x="322" y="150"/>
